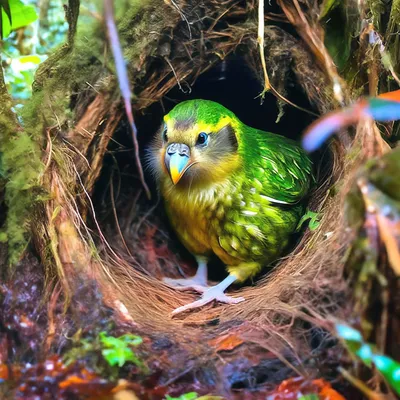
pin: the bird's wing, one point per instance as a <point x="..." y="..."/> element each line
<point x="280" y="165"/>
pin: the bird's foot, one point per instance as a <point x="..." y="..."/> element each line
<point x="194" y="283"/>
<point x="209" y="295"/>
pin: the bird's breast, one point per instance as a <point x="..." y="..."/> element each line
<point x="191" y="214"/>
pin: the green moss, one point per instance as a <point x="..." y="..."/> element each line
<point x="22" y="168"/>
<point x="141" y="20"/>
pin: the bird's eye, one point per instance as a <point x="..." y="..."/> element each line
<point x="202" y="139"/>
<point x="164" y="133"/>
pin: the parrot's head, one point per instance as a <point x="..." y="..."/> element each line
<point x="196" y="145"/>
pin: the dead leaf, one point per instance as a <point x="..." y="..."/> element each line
<point x="226" y="342"/>
<point x="390" y="235"/>
<point x="387" y="214"/>
<point x="326" y="390"/>
<point x="125" y="395"/>
<point x="4" y="372"/>
<point x="295" y="388"/>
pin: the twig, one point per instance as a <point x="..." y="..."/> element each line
<point x="176" y="76"/>
<point x="72" y="14"/>
<point x="267" y="83"/>
<point x="219" y="18"/>
<point x="146" y="214"/>
<point x="375" y="40"/>
<point x="103" y="238"/>
<point x="49" y="149"/>
<point x="362" y="387"/>
<point x="51" y="309"/>
<point x="131" y="214"/>
<point x="183" y="16"/>
<point x="260" y="41"/>
<point x="116" y="217"/>
<point x="178" y="376"/>
<point x="123" y="80"/>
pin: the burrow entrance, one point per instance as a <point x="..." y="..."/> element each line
<point x="136" y="225"/>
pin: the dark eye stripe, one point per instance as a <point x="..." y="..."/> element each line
<point x="227" y="137"/>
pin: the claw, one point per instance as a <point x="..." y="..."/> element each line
<point x="213" y="293"/>
<point x="197" y="282"/>
<point x="186" y="284"/>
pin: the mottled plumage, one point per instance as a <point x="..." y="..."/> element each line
<point x="239" y="195"/>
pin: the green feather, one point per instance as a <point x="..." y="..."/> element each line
<point x="200" y="110"/>
<point x="279" y="163"/>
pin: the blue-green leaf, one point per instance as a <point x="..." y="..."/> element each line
<point x="389" y="368"/>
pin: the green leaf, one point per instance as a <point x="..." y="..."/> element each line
<point x="118" y="356"/>
<point x="340" y="20"/>
<point x="3" y="237"/>
<point x="33" y="58"/>
<point x="389" y="368"/>
<point x="4" y="8"/>
<point x="314" y="220"/>
<point x="117" y="351"/>
<point x="310" y="396"/>
<point x="186" y="396"/>
<point x="132" y="340"/>
<point x="127" y="339"/>
<point x="21" y="15"/>
<point x="327" y="6"/>
<point x="365" y="354"/>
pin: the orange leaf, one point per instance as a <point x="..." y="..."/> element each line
<point x="72" y="380"/>
<point x="86" y="377"/>
<point x="390" y="235"/>
<point x="326" y="392"/>
<point x="226" y="342"/>
<point x="394" y="96"/>
<point x="385" y="210"/>
<point x="4" y="372"/>
<point x="295" y="388"/>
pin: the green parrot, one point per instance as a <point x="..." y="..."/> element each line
<point x="229" y="190"/>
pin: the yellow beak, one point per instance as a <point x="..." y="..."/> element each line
<point x="177" y="160"/>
